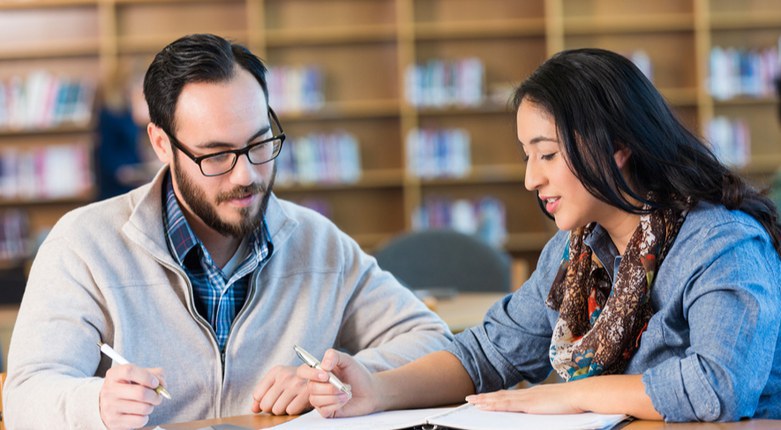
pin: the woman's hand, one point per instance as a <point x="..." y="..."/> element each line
<point x="607" y="394"/>
<point x="540" y="399"/>
<point x="329" y="401"/>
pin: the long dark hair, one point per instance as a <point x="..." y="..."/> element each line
<point x="602" y="103"/>
<point x="194" y="58"/>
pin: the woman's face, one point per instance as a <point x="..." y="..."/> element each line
<point x="548" y="173"/>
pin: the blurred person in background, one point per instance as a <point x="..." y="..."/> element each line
<point x="123" y="156"/>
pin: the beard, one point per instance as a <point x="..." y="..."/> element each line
<point x="195" y="198"/>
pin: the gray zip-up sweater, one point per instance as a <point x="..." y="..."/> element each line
<point x="104" y="273"/>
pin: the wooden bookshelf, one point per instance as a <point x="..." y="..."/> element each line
<point x="63" y="38"/>
<point x="364" y="48"/>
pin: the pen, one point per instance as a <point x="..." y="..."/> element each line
<point x="311" y="361"/>
<point x="109" y="351"/>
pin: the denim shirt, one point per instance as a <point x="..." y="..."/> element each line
<point x="711" y="351"/>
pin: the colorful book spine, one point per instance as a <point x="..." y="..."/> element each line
<point x="444" y="83"/>
<point x="15" y="242"/>
<point x="484" y="217"/>
<point x="438" y="153"/>
<point x="730" y="140"/>
<point x="43" y="100"/>
<point x="743" y="72"/>
<point x="45" y="172"/>
<point x="320" y="158"/>
<point x="295" y="89"/>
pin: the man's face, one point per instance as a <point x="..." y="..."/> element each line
<point x="214" y="117"/>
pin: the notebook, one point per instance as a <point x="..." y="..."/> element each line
<point x="465" y="417"/>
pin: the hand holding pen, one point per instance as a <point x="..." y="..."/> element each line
<point x="325" y="393"/>
<point x="129" y="393"/>
<point x="313" y="362"/>
<point x="109" y="351"/>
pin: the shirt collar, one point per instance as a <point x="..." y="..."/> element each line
<point x="602" y="246"/>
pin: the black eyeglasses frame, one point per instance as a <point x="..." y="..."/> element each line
<point x="238" y="152"/>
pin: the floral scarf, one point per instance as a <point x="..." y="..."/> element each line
<point x="599" y="327"/>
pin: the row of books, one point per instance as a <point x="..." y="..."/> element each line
<point x="730" y="140"/>
<point x="742" y="72"/>
<point x="43" y="100"/>
<point x="294" y="89"/>
<point x="433" y="153"/>
<point x="441" y="83"/>
<point x="14" y="235"/>
<point x="320" y="158"/>
<point x="54" y="171"/>
<point x="484" y="217"/>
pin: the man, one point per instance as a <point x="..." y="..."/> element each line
<point x="203" y="280"/>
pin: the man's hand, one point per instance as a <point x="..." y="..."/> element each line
<point x="281" y="392"/>
<point x="128" y="396"/>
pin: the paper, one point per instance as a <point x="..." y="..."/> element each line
<point x="391" y="420"/>
<point x="472" y="418"/>
<point x="466" y="417"/>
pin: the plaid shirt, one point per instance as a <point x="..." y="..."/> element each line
<point x="218" y="298"/>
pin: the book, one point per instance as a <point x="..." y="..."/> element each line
<point x="465" y="417"/>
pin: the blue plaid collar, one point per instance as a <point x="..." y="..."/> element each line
<point x="182" y="240"/>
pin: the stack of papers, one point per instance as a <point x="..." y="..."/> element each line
<point x="466" y="417"/>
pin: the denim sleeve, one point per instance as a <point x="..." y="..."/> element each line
<point x="513" y="340"/>
<point x="731" y="303"/>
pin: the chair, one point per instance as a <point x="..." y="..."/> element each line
<point x="445" y="259"/>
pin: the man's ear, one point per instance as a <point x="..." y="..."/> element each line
<point x="160" y="143"/>
<point x="621" y="156"/>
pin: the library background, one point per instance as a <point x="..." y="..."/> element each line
<point x="396" y="110"/>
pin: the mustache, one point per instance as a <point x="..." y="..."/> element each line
<point x="240" y="192"/>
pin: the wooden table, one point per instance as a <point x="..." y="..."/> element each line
<point x="266" y="421"/>
<point x="466" y="309"/>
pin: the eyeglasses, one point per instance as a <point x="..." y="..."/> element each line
<point x="223" y="162"/>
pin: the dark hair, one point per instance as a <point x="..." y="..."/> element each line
<point x="194" y="58"/>
<point x="602" y="103"/>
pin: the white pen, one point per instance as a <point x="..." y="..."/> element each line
<point x="109" y="351"/>
<point x="311" y="361"/>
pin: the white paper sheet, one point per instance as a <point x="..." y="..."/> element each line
<point x="472" y="418"/>
<point x="465" y="417"/>
<point x="391" y="420"/>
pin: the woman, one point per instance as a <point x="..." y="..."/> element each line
<point x="659" y="298"/>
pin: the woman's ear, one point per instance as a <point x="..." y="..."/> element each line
<point x="621" y="156"/>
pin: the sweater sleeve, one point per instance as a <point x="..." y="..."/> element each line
<point x="384" y="325"/>
<point x="53" y="355"/>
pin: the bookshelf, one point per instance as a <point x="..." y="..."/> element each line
<point x="363" y="50"/>
<point x="51" y="54"/>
